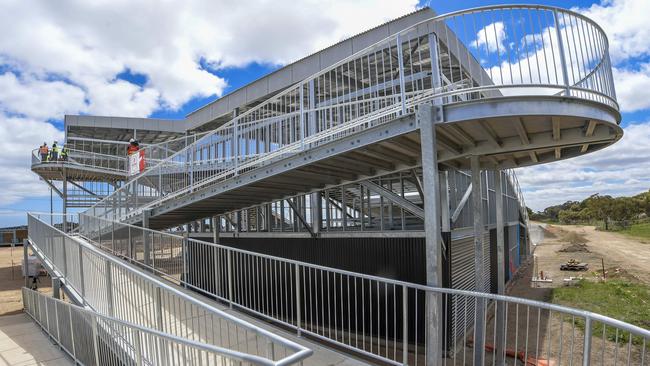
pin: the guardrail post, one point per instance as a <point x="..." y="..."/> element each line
<point x="302" y="117"/>
<point x="81" y="277"/>
<point x="138" y="347"/>
<point x="230" y="275"/>
<point x="145" y="237"/>
<point x="109" y="288"/>
<point x="95" y="343"/>
<point x="26" y="262"/>
<point x="405" y="326"/>
<point x="586" y="350"/>
<point x="74" y="349"/>
<point x="400" y="63"/>
<point x="185" y="242"/>
<point x="565" y="73"/>
<point x="298" y="313"/>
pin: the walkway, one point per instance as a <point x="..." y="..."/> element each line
<point x="23" y="343"/>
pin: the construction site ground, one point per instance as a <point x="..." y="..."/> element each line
<point x="625" y="259"/>
<point x="623" y="256"/>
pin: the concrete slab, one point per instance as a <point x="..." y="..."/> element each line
<point x="23" y="343"/>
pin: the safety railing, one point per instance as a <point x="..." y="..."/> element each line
<point x="91" y="338"/>
<point x="378" y="317"/>
<point x="113" y="288"/>
<point x="477" y="54"/>
<point x="86" y="159"/>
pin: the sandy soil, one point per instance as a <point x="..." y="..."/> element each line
<point x="622" y="255"/>
<point x="11" y="281"/>
<point x="558" y="338"/>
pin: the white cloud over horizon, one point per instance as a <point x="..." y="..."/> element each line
<point x="65" y="57"/>
<point x="622" y="169"/>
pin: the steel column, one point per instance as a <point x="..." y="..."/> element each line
<point x="500" y="316"/>
<point x="433" y="311"/>
<point x="477" y="206"/>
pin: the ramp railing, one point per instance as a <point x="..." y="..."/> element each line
<point x="378" y="317"/>
<point x="91" y="338"/>
<point x="467" y="56"/>
<point x="113" y="288"/>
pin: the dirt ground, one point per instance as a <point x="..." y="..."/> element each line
<point x="11" y="281"/>
<point x="623" y="256"/>
<point x="557" y="336"/>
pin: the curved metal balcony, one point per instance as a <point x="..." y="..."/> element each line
<point x="515" y="85"/>
<point x="82" y="165"/>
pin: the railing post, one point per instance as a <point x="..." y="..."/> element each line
<point x="137" y="346"/>
<point x="302" y="117"/>
<point x="81" y="276"/>
<point x="235" y="143"/>
<point x="145" y="237"/>
<point x="400" y="63"/>
<point x="405" y="327"/>
<point x="26" y="262"/>
<point x="109" y="288"/>
<point x="230" y="275"/>
<point x="565" y="73"/>
<point x="74" y="349"/>
<point x="185" y="242"/>
<point x="95" y="343"/>
<point x="586" y="351"/>
<point x="298" y="313"/>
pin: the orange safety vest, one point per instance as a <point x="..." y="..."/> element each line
<point x="44" y="150"/>
<point x="132" y="149"/>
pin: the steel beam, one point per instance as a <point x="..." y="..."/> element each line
<point x="462" y="203"/>
<point x="300" y="217"/>
<point x="395" y="198"/>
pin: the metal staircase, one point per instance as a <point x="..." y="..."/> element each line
<point x="356" y="119"/>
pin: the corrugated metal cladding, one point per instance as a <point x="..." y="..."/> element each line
<point x="463" y="277"/>
<point x="397" y="258"/>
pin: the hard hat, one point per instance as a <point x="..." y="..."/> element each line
<point x="132" y="140"/>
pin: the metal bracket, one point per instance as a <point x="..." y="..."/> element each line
<point x="301" y="218"/>
<point x="396" y="199"/>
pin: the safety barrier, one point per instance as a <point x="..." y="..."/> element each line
<point x="113" y="288"/>
<point x="378" y="317"/>
<point x="91" y="338"/>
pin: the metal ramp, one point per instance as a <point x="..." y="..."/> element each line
<point x="142" y="305"/>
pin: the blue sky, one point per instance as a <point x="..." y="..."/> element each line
<point x="148" y="59"/>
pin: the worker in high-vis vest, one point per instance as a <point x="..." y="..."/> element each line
<point x="54" y="154"/>
<point x="44" y="151"/>
<point x="64" y="153"/>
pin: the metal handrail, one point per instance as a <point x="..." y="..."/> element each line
<point x="155" y="305"/>
<point x="61" y="324"/>
<point x="292" y="121"/>
<point x="87" y="159"/>
<point x="316" y="286"/>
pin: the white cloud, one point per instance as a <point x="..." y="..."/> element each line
<point x="621" y="169"/>
<point x="632" y="88"/>
<point x="64" y="57"/>
<point x="626" y="24"/>
<point x="491" y="37"/>
<point x="38" y="99"/>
